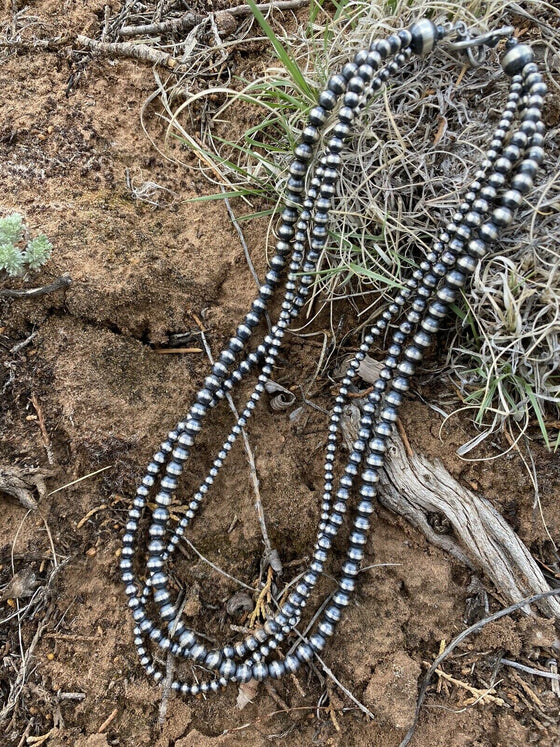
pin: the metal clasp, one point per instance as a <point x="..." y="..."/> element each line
<point x="475" y="44"/>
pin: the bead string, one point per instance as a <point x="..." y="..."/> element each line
<point x="504" y="177"/>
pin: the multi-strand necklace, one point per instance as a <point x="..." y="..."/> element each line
<point x="505" y="176"/>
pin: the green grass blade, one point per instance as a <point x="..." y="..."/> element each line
<point x="366" y="272"/>
<point x="290" y="64"/>
<point x="227" y="195"/>
<point x="538" y="412"/>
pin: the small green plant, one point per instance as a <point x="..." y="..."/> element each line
<point x="17" y="252"/>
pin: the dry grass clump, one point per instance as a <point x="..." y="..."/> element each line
<point x="410" y="158"/>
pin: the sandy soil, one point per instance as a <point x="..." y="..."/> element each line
<point x="69" y="130"/>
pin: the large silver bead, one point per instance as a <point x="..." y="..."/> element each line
<point x="424" y="36"/>
<point x="516" y="58"/>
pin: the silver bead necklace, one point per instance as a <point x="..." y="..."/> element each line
<point x="504" y="177"/>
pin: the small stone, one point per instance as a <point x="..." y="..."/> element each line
<point x="22" y="585"/>
<point x="225" y="23"/>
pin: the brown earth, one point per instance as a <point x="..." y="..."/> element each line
<point x="107" y="397"/>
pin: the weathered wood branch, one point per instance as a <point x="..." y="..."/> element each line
<point x="478" y="536"/>
<point x="185" y="23"/>
<point x="61" y="282"/>
<point x="129" y="50"/>
<point x="189" y="20"/>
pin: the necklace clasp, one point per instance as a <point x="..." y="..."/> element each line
<point x="475" y="45"/>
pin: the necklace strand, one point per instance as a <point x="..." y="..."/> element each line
<point x="504" y="177"/>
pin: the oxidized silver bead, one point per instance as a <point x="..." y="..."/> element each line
<point x="424" y="36"/>
<point x="516" y="58"/>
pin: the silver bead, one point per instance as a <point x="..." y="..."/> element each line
<point x="516" y="58"/>
<point x="502" y="216"/>
<point x="522" y="183"/>
<point x="424" y="36"/>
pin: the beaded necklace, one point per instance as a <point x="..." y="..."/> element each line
<point x="504" y="177"/>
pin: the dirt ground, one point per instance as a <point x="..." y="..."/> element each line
<point x="90" y="391"/>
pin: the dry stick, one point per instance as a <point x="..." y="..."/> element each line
<point x="530" y="670"/>
<point x="108" y="721"/>
<point x="38" y="741"/>
<point x="328" y="671"/>
<point x="241" y="238"/>
<point x="185" y="23"/>
<point x="127" y="49"/>
<point x="43" y="429"/>
<point x="245" y="247"/>
<point x="458" y="640"/>
<point x="413" y="488"/>
<point x="169" y="670"/>
<point x="62" y="282"/>
<point x="270" y="556"/>
<point x="17" y="687"/>
<point x="25" y="734"/>
<point x="482" y="695"/>
<point x="189" y="20"/>
<point x="22" y="45"/>
<point x="80" y="479"/>
<point x="169" y="351"/>
<point x="23" y="343"/>
<point x="106" y="19"/>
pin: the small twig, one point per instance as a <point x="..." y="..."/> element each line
<point x="89" y="514"/>
<point x="25" y="734"/>
<point x="244" y="245"/>
<point x="217" y="568"/>
<point x="75" y="482"/>
<point x="458" y="640"/>
<point x="23" y="343"/>
<point x="168" y="351"/>
<point x="185" y="23"/>
<point x="245" y="10"/>
<point x="362" y="393"/>
<point x="169" y="670"/>
<point x="328" y="671"/>
<point x="404" y="439"/>
<point x="530" y="670"/>
<point x="108" y="721"/>
<point x="17" y="686"/>
<point x="71" y="696"/>
<point x="62" y="282"/>
<point x="554" y="685"/>
<point x="37" y="741"/>
<point x="529" y="692"/>
<point x="51" y="542"/>
<point x="241" y="238"/>
<point x="268" y="552"/>
<point x="269" y="687"/>
<point x="475" y="691"/>
<point x="43" y="428"/>
<point x="106" y="19"/>
<point x="264" y="599"/>
<point x="129" y="50"/>
<point x="22" y="45"/>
